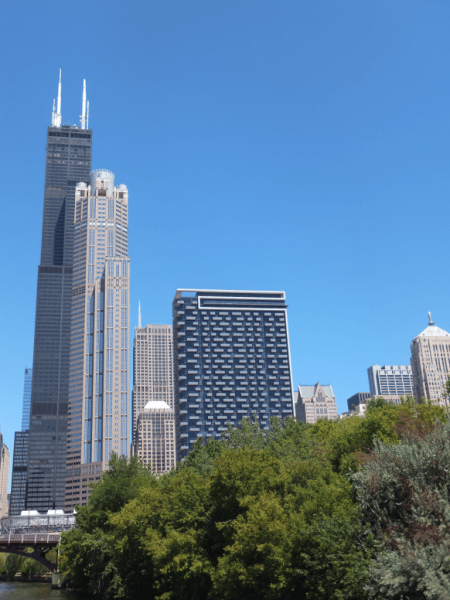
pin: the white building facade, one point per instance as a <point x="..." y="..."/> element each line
<point x="391" y="382"/>
<point x="155" y="437"/>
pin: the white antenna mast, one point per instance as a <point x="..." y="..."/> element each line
<point x="83" y="107"/>
<point x="87" y="115"/>
<point x="56" y="115"/>
<point x="139" y="319"/>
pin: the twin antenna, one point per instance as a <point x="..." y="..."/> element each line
<point x="56" y="113"/>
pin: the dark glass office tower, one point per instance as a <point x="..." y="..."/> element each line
<point x="19" y="473"/>
<point x="231" y="360"/>
<point x="68" y="162"/>
<point x="20" y="455"/>
<point x="26" y="399"/>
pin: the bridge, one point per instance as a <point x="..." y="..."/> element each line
<point x="39" y="532"/>
<point x="40" y="545"/>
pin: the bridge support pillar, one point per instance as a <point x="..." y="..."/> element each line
<point x="56" y="581"/>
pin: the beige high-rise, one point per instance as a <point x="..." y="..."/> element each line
<point x="153" y="397"/>
<point x="430" y="363"/>
<point x="4" y="473"/>
<point x="98" y="421"/>
<point x="155" y="437"/>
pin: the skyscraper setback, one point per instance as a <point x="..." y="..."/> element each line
<point x="68" y="162"/>
<point x="100" y="356"/>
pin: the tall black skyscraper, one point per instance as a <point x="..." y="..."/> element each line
<point x="68" y="162"/>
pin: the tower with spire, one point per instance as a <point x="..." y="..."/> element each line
<point x="430" y="363"/>
<point x="67" y="162"/>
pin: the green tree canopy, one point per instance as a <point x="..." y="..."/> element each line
<point x="301" y="512"/>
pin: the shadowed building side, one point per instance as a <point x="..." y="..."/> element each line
<point x="18" y="496"/>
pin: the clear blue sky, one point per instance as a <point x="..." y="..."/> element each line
<point x="266" y="144"/>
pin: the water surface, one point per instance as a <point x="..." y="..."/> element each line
<point x="32" y="591"/>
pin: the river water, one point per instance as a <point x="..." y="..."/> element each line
<point x="32" y="591"/>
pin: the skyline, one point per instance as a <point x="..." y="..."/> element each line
<point x="304" y="148"/>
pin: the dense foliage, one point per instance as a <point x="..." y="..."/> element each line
<point x="404" y="494"/>
<point x="326" y="511"/>
<point x="11" y="564"/>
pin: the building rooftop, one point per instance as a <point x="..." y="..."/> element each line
<point x="308" y="391"/>
<point x="160" y="404"/>
<point x="432" y="330"/>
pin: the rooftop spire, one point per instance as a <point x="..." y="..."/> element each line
<point x="430" y="322"/>
<point x="83" y="117"/>
<point x="56" y="114"/>
<point x="139" y="319"/>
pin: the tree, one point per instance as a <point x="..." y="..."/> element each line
<point x="87" y="550"/>
<point x="265" y="514"/>
<point x="117" y="486"/>
<point x="289" y="530"/>
<point x="404" y="494"/>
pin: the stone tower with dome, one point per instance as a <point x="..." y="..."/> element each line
<point x="430" y="363"/>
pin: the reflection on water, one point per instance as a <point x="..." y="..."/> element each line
<point x="32" y="591"/>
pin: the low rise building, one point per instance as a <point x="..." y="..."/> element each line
<point x="360" y="410"/>
<point x="357" y="399"/>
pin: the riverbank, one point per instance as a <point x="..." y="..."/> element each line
<point x="38" y="579"/>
